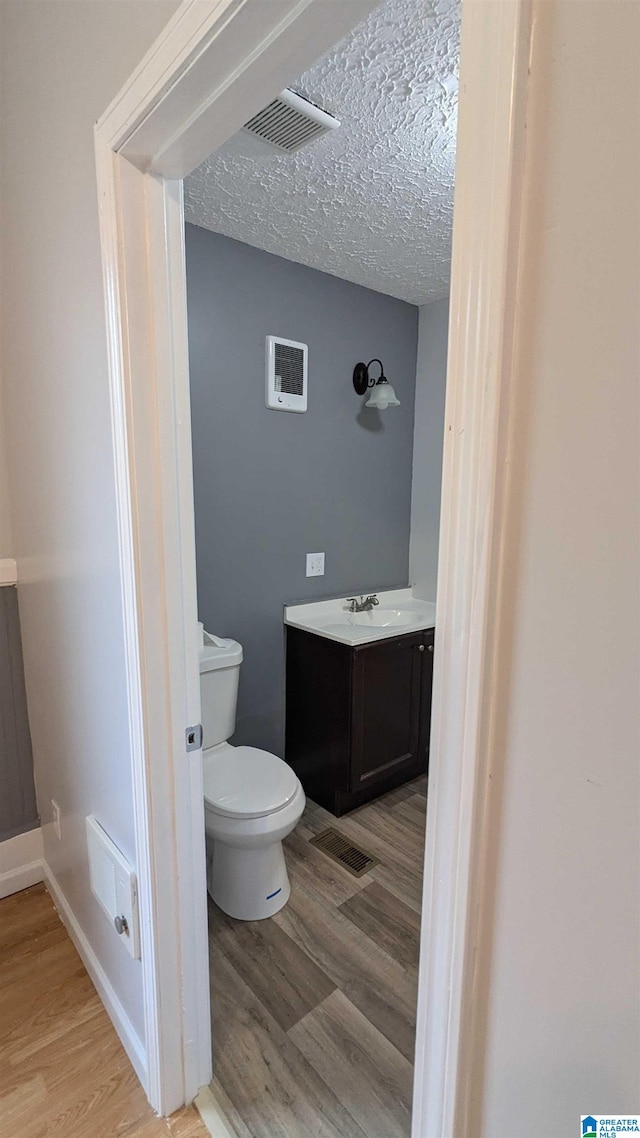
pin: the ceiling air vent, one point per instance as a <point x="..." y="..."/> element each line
<point x="290" y="122"/>
<point x="286" y="375"/>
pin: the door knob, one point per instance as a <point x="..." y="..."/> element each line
<point x="121" y="925"/>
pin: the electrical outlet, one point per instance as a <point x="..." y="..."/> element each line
<point x="315" y="564"/>
<point x="55" y="810"/>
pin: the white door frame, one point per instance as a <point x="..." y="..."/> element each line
<point x="216" y="63"/>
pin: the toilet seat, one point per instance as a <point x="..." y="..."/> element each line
<point x="245" y="782"/>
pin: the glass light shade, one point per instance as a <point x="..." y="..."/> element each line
<point x="382" y="396"/>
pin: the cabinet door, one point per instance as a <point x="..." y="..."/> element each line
<point x="426" y="684"/>
<point x="385" y="709"/>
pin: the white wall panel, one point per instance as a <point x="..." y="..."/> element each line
<point x="61" y="64"/>
<point x="563" y="1023"/>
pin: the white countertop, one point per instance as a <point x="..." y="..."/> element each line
<point x="397" y="614"/>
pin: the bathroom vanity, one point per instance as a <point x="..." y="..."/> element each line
<point x="358" y="696"/>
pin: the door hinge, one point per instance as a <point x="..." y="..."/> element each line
<point x="193" y="736"/>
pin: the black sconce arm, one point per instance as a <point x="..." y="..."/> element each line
<point x="361" y="378"/>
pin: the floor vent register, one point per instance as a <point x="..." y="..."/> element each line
<point x="337" y="847"/>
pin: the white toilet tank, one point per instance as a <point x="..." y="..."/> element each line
<point x="220" y="662"/>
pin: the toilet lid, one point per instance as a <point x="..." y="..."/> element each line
<point x="244" y="782"/>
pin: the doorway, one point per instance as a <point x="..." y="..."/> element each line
<point x="149" y="420"/>
<point x="312" y="251"/>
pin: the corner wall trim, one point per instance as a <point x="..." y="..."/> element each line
<point x="118" y="1016"/>
<point x="8" y="571"/>
<point x="21" y="862"/>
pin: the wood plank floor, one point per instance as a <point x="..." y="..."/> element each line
<point x="63" y="1071"/>
<point x="313" y="1011"/>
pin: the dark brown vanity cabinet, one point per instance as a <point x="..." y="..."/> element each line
<point x="358" y="718"/>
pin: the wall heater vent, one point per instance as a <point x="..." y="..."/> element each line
<point x="290" y="122"/>
<point x="286" y="375"/>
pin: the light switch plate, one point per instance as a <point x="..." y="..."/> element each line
<point x="315" y="564"/>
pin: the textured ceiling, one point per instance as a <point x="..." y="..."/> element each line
<point x="371" y="202"/>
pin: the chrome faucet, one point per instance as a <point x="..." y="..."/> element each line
<point x="365" y="604"/>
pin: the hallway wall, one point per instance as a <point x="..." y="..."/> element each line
<point x="61" y="64"/>
<point x="563" y="1003"/>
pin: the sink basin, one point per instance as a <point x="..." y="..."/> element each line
<point x="384" y="618"/>
<point x="398" y="612"/>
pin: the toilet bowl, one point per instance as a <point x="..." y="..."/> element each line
<point x="252" y="798"/>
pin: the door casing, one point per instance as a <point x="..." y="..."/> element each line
<point x="215" y="64"/>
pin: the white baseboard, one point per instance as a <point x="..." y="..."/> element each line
<point x="128" y="1036"/>
<point x="21" y="862"/>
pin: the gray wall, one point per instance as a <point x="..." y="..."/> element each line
<point x="433" y="328"/>
<point x="270" y="486"/>
<point x="18" y="810"/>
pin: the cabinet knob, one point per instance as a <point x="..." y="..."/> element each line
<point x="421" y="648"/>
<point x="431" y="647"/>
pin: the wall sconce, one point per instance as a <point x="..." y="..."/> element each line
<point x="383" y="395"/>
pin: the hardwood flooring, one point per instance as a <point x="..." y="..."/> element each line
<point x="313" y="1011"/>
<point x="63" y="1071"/>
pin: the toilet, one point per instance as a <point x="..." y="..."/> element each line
<point x="252" y="799"/>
